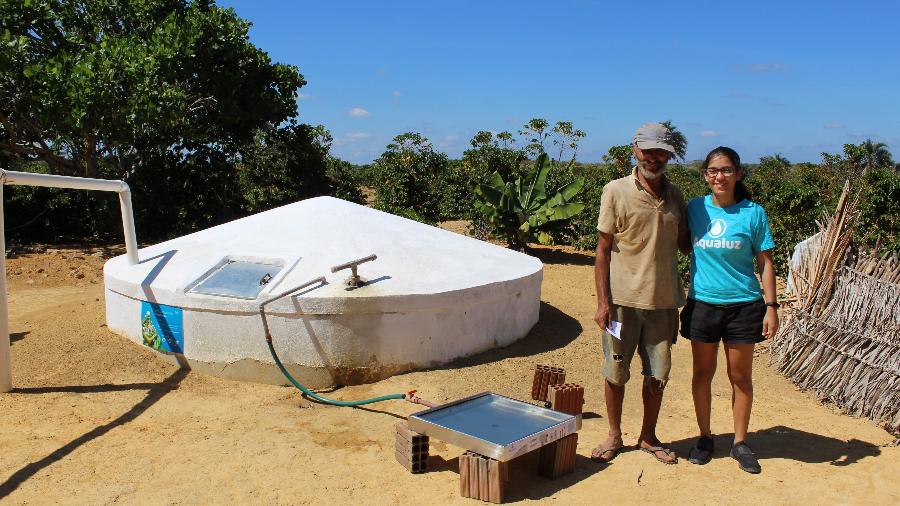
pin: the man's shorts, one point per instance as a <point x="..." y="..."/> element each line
<point x="651" y="332"/>
<point x="739" y="323"/>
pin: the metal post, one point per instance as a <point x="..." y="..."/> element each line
<point x="131" y="248"/>
<point x="84" y="183"/>
<point x="50" y="181"/>
<point x="5" y="360"/>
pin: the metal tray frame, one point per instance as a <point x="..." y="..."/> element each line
<point x="497" y="451"/>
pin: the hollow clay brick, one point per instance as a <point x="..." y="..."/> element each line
<point x="558" y="458"/>
<point x="410" y="448"/>
<point x="480" y="477"/>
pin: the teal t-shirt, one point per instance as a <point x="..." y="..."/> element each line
<point x="724" y="243"/>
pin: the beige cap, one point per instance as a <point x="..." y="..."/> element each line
<point x="654" y="136"/>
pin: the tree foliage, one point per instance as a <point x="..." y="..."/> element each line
<point x="867" y="156"/>
<point x="880" y="210"/>
<point x="679" y="141"/>
<point x="285" y="165"/>
<point x="169" y="95"/>
<point x="492" y="153"/>
<point x="407" y="177"/>
<point x="101" y="82"/>
<point x="620" y="157"/>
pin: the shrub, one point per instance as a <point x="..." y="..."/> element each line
<point x="283" y="166"/>
<point x="879" y="223"/>
<point x="344" y="180"/>
<point x="405" y="178"/>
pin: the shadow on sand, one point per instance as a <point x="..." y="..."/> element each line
<point x="558" y="256"/>
<point x="554" y="329"/>
<point x="155" y="392"/>
<point x="524" y="480"/>
<point x="782" y="442"/>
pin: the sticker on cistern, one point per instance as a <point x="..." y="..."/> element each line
<point x="161" y="327"/>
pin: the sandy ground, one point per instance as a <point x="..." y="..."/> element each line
<point x="96" y="419"/>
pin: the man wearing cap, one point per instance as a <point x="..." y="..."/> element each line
<point x="642" y="224"/>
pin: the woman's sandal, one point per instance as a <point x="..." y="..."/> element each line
<point x="653" y="449"/>
<point x="597" y="453"/>
<point x="702" y="453"/>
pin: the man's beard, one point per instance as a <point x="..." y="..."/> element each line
<point x="650" y="174"/>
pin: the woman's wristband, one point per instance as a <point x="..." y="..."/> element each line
<point x="775" y="304"/>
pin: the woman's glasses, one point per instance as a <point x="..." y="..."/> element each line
<point x="725" y="171"/>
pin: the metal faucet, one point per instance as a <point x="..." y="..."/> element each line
<point x="354" y="280"/>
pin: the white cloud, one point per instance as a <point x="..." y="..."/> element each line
<point x="708" y="133"/>
<point x="397" y="93"/>
<point x="359" y="112"/>
<point x="350" y="137"/>
<point x="301" y="96"/>
<point x="832" y="126"/>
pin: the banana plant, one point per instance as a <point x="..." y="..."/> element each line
<point x="519" y="209"/>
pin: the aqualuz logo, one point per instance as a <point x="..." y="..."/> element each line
<point x="714" y="231"/>
<point x="716" y="228"/>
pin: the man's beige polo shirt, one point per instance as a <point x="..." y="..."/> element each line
<point x="643" y="270"/>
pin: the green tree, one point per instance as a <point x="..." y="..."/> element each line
<point x="879" y="223"/>
<point x="536" y="133"/>
<point x="874" y="155"/>
<point x="566" y="137"/>
<point x="166" y="94"/>
<point x="285" y="165"/>
<point x="407" y="178"/>
<point x="105" y="82"/>
<point x="620" y="158"/>
<point x="492" y="153"/>
<point x="679" y="141"/>
<point x="345" y="180"/>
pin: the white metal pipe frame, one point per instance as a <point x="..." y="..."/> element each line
<point x="50" y="181"/>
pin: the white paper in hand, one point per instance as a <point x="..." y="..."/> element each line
<point x="615" y="328"/>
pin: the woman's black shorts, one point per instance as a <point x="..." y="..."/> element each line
<point x="739" y="323"/>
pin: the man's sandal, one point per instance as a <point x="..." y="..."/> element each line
<point x="598" y="452"/>
<point x="652" y="450"/>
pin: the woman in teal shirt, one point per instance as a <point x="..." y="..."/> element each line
<point x="725" y="303"/>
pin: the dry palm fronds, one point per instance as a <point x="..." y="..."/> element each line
<point x="836" y="238"/>
<point x="859" y="374"/>
<point x="866" y="305"/>
<point x="884" y="269"/>
<point x="844" y="338"/>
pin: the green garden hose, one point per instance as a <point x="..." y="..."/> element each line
<point x="325" y="399"/>
<point x="262" y="313"/>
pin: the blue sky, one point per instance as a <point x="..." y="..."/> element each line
<point x="764" y="77"/>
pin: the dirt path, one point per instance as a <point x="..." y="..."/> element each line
<point x="96" y="419"/>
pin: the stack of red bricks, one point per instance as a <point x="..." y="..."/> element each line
<point x="481" y="477"/>
<point x="566" y="397"/>
<point x="411" y="449"/>
<point x="544" y="376"/>
<point x="558" y="458"/>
